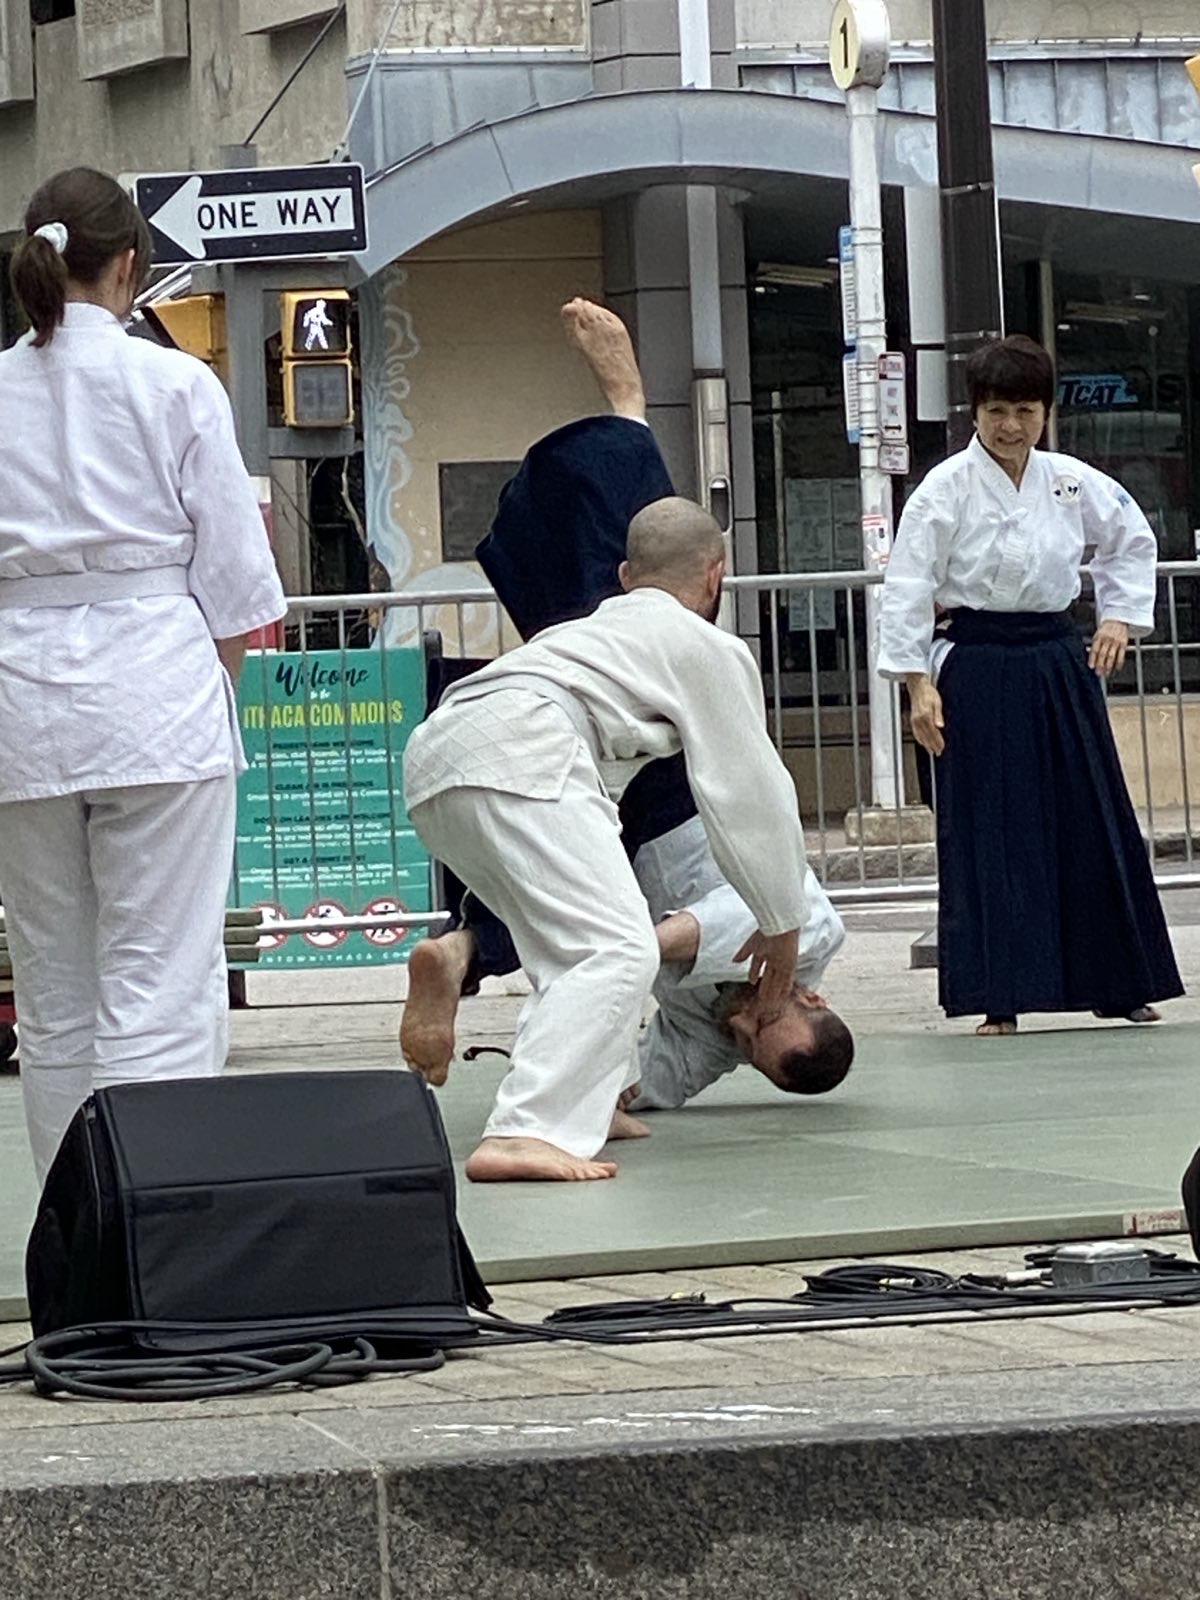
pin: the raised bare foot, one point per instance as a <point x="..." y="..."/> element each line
<point x="1138" y="1014"/>
<point x="997" y="1027"/>
<point x="626" y="1127"/>
<point x="532" y="1161"/>
<point x="436" y="969"/>
<point x="603" y="341"/>
<point x="627" y="1096"/>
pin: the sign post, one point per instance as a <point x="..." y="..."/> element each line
<point x="859" y="52"/>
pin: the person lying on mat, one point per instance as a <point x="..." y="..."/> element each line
<point x="708" y="1019"/>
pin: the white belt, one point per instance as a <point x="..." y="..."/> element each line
<point x="91" y="588"/>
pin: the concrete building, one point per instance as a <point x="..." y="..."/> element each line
<point x="521" y="151"/>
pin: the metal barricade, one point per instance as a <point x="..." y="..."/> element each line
<point x="359" y="664"/>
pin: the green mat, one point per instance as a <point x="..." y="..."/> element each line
<point x="934" y="1142"/>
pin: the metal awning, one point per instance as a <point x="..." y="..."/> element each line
<point x="586" y="151"/>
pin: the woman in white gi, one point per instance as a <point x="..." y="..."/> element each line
<point x="133" y="560"/>
<point x="1047" y="901"/>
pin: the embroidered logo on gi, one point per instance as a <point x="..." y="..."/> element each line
<point x="1066" y="490"/>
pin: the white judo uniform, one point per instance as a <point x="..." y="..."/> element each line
<point x="130" y="538"/>
<point x="504" y="784"/>
<point x="684" y="1048"/>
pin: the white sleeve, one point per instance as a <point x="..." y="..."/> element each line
<point x="232" y="575"/>
<point x="1123" y="568"/>
<point x="712" y="693"/>
<point x="725" y="922"/>
<point x="915" y="571"/>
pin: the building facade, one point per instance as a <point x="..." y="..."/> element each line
<point x="522" y="151"/>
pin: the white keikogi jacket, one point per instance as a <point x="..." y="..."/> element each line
<point x="969" y="537"/>
<point x="645" y="677"/>
<point x="119" y="468"/>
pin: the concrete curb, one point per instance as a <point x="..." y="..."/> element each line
<point x="1027" y="1485"/>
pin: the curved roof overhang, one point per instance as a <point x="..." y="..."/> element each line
<point x="586" y="151"/>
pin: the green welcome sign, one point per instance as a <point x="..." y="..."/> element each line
<point x="321" y="827"/>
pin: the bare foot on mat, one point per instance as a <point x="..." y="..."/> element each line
<point x="626" y="1127"/>
<point x="997" y="1027"/>
<point x="532" y="1161"/>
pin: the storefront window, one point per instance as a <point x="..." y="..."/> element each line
<point x="1123" y="406"/>
<point x="807" y="478"/>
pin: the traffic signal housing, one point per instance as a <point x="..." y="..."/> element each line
<point x="195" y="323"/>
<point x="318" y="376"/>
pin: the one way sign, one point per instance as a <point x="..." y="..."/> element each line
<point x="256" y="214"/>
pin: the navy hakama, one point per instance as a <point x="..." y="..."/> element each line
<point x="1047" y="898"/>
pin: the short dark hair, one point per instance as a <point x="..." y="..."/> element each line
<point x="101" y="221"/>
<point x="1010" y="369"/>
<point x="821" y="1068"/>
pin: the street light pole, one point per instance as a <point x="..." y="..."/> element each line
<point x="970" y="221"/>
<point x="859" y="52"/>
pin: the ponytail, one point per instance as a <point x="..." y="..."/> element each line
<point x="39" y="280"/>
<point x="75" y="226"/>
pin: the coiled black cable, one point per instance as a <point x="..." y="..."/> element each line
<point x="126" y="1361"/>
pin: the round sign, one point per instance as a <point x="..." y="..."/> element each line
<point x="320" y="939"/>
<point x="860" y="42"/>
<point x="271" y="913"/>
<point x="383" y="936"/>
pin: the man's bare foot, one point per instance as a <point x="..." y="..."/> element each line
<point x="436" y="969"/>
<point x="997" y="1027"/>
<point x="627" y="1096"/>
<point x="603" y="341"/>
<point x="624" y="1126"/>
<point x="532" y="1161"/>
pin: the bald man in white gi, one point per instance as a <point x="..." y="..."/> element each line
<point x="504" y="784"/>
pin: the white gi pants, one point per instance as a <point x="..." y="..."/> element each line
<point x="555" y="871"/>
<point x="114" y="903"/>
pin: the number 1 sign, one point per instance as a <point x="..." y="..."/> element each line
<point x="860" y="39"/>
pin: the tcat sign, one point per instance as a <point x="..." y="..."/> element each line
<point x="1095" y="392"/>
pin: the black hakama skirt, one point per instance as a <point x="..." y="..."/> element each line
<point x="1046" y="894"/>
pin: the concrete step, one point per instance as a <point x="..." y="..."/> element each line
<point x="843" y="863"/>
<point x="1024" y="1484"/>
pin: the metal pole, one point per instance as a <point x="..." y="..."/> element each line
<point x="710" y="395"/>
<point x="1048" y="329"/>
<point x="866" y="217"/>
<point x="966" y="176"/>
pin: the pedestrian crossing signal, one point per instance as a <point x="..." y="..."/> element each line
<point x="315" y="323"/>
<point x="318" y="382"/>
<point x="317" y="394"/>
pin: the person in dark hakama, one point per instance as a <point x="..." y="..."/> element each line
<point x="1046" y="896"/>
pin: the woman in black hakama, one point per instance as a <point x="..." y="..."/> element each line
<point x="1046" y="895"/>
